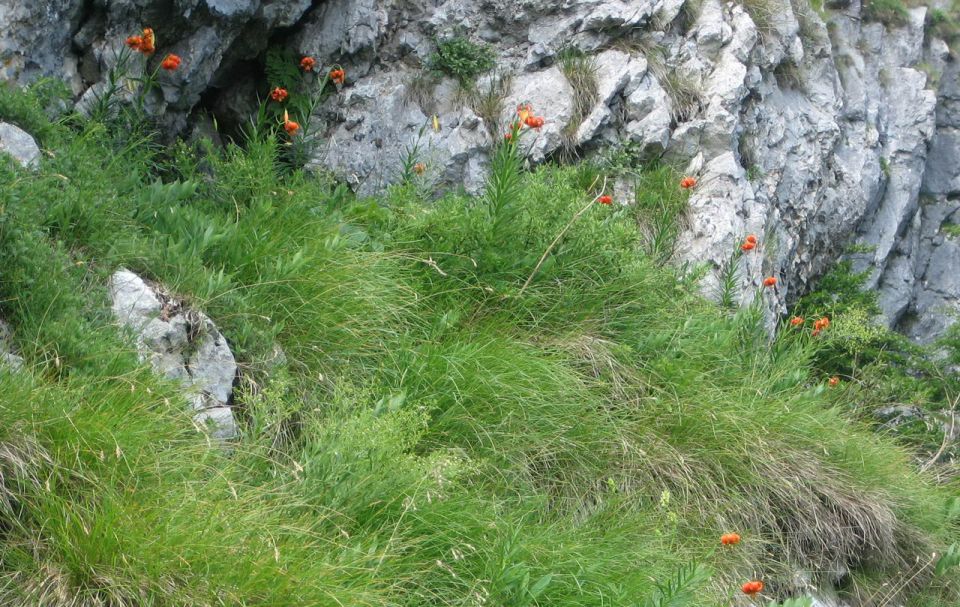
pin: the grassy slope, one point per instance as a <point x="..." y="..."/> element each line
<point x="436" y="436"/>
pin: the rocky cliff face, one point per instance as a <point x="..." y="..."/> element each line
<point x="824" y="134"/>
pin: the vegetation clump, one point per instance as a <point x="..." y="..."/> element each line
<point x="461" y="58"/>
<point x="889" y="12"/>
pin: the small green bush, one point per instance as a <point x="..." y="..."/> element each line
<point x="462" y="59"/>
<point x="882" y="367"/>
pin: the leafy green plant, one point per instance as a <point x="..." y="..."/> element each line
<point x="728" y="281"/>
<point x="130" y="82"/>
<point x="885" y="167"/>
<point x="885" y="369"/>
<point x="303" y="92"/>
<point x="950" y="559"/>
<point x="944" y="23"/>
<point x="679" y="590"/>
<point x="462" y="59"/>
<point x="503" y="185"/>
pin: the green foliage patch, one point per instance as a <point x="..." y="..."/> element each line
<point x="462" y="59"/>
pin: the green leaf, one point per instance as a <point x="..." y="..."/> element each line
<point x="540" y="585"/>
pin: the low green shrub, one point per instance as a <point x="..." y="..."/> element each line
<point x="462" y="59"/>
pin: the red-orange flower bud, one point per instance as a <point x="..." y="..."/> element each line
<point x="833" y="381"/>
<point x="290" y="126"/>
<point x="752" y="588"/>
<point x="307" y="64"/>
<point x="148" y="42"/>
<point x="338" y="76"/>
<point x="770" y="281"/>
<point x="605" y="199"/>
<point x="688" y="182"/>
<point x="748" y="246"/>
<point x="730" y="539"/>
<point x="135" y="42"/>
<point x="534" y="122"/>
<point x="170" y="62"/>
<point x="751" y="238"/>
<point x="524" y="110"/>
<point x="279" y="94"/>
<point x="796" y="320"/>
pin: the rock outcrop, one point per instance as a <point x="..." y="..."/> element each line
<point x="181" y="344"/>
<point x="825" y="134"/>
<point x="17" y="143"/>
<point x="9" y="359"/>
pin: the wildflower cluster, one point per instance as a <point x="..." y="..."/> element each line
<point x="750" y="588"/>
<point x="144" y="43"/>
<point x="123" y="87"/>
<point x="818" y="325"/>
<point x="525" y="117"/>
<point x="303" y="101"/>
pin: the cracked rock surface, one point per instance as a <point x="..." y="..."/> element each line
<point x="17" y="143"/>
<point x="180" y="344"/>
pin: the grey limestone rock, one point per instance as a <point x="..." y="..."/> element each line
<point x="181" y="344"/>
<point x="17" y="143"/>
